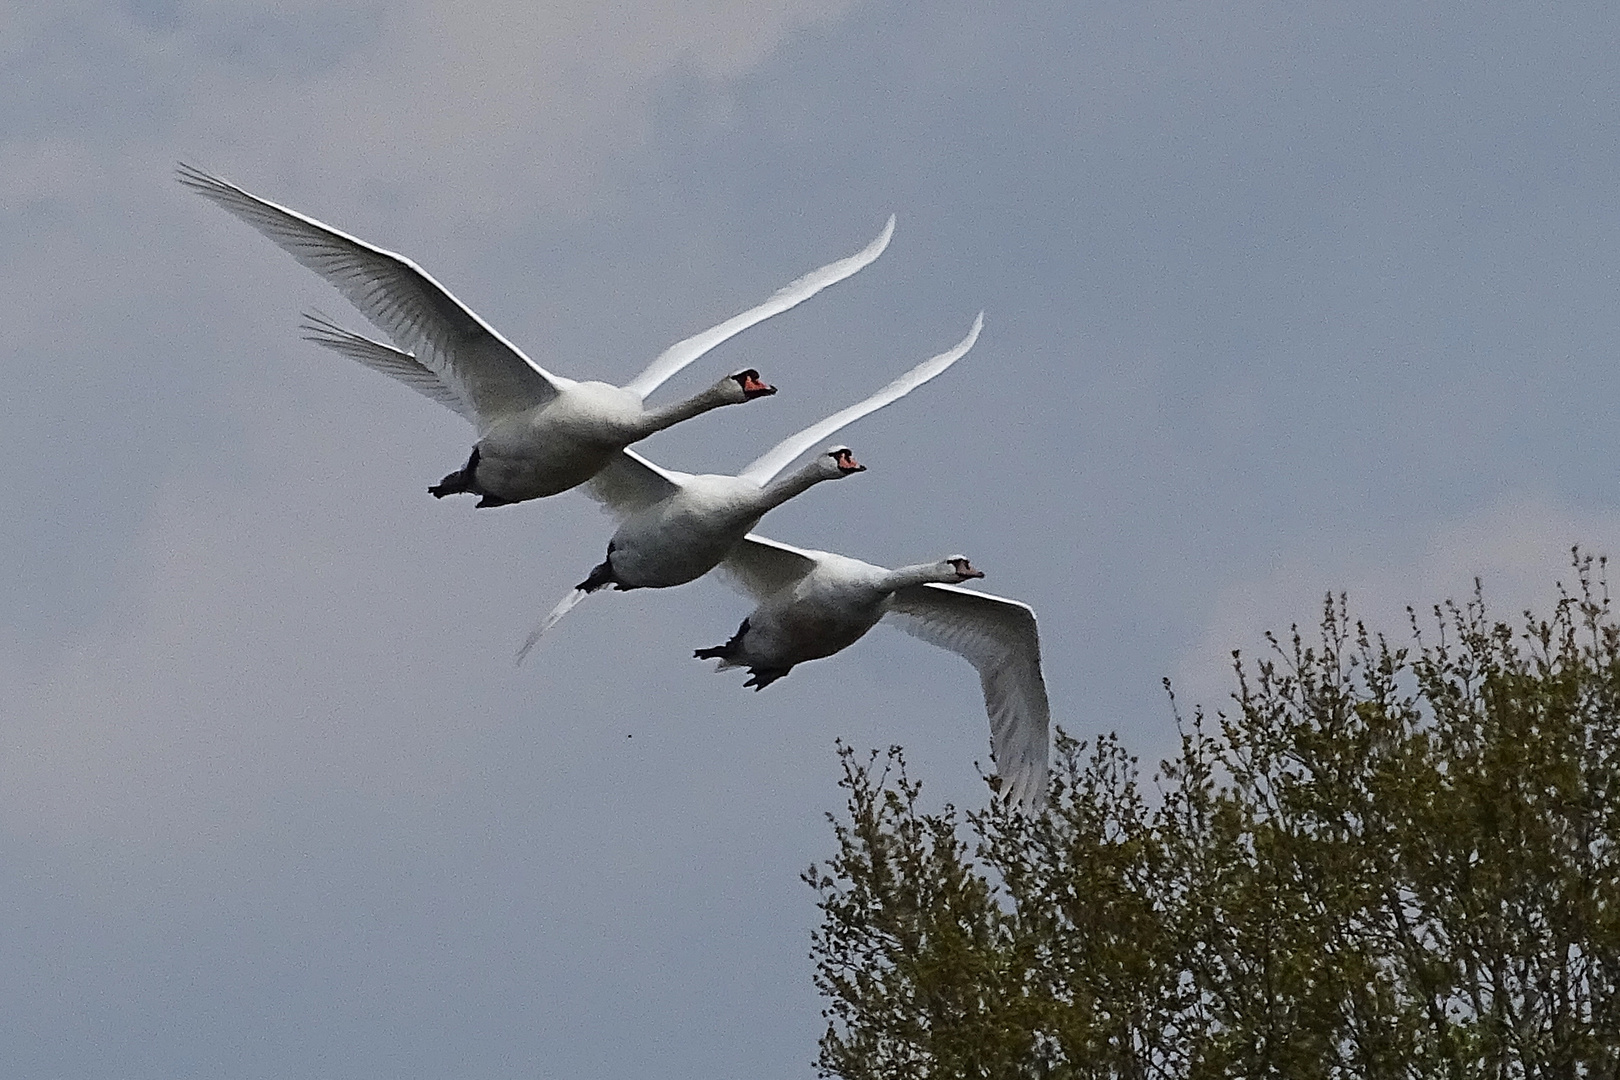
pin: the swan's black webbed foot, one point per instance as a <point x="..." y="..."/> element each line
<point x="599" y="577"/>
<point x="493" y="500"/>
<point x="760" y="678"/>
<point x="463" y="480"/>
<point x="726" y="651"/>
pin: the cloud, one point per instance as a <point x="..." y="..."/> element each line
<point x="495" y="108"/>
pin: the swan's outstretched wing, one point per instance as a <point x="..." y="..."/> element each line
<point x="779" y="456"/>
<point x="761" y="567"/>
<point x="384" y="358"/>
<point x="998" y="637"/>
<point x="682" y="353"/>
<point x="488" y="372"/>
<point x="629" y="483"/>
<point x="567" y="604"/>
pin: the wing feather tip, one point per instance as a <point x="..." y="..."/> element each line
<point x="878" y="246"/>
<point x="567" y="604"/>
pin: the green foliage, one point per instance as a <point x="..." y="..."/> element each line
<point x="1383" y="862"/>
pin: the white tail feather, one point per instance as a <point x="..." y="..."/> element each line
<point x="569" y="602"/>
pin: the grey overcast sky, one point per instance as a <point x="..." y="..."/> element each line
<point x="1279" y="299"/>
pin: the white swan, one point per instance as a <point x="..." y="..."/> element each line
<point x="538" y="433"/>
<point x="677" y="527"/>
<point x="814" y="603"/>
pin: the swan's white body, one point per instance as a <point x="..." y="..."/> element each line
<point x="538" y="433"/>
<point x="562" y="443"/>
<point x="813" y="604"/>
<point x="676" y="527"/>
<point x="685" y="534"/>
<point x="558" y="445"/>
<point x="828" y="609"/>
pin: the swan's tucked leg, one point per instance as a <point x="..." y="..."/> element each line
<point x="463" y="480"/>
<point x="727" y="653"/>
<point x="760" y="677"/>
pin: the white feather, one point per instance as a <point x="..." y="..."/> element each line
<point x="569" y="603"/>
<point x="682" y="353"/>
<point x="778" y="457"/>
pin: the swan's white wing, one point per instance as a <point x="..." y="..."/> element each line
<point x="682" y="353"/>
<point x="998" y="637"/>
<point x="761" y="567"/>
<point x="466" y="353"/>
<point x="384" y="358"/>
<point x="564" y="606"/>
<point x="629" y="483"/>
<point x="779" y="456"/>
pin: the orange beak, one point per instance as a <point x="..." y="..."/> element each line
<point x="847" y="462"/>
<point x="753" y="388"/>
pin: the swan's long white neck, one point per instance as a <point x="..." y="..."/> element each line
<point x="922" y="573"/>
<point x="783" y="488"/>
<point x="663" y="416"/>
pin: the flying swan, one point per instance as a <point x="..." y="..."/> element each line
<point x="538" y="433"/>
<point x="813" y="604"/>
<point x="676" y="527"/>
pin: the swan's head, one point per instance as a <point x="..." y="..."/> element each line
<point x="956" y="569"/>
<point x="746" y="386"/>
<point x="840" y="461"/>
